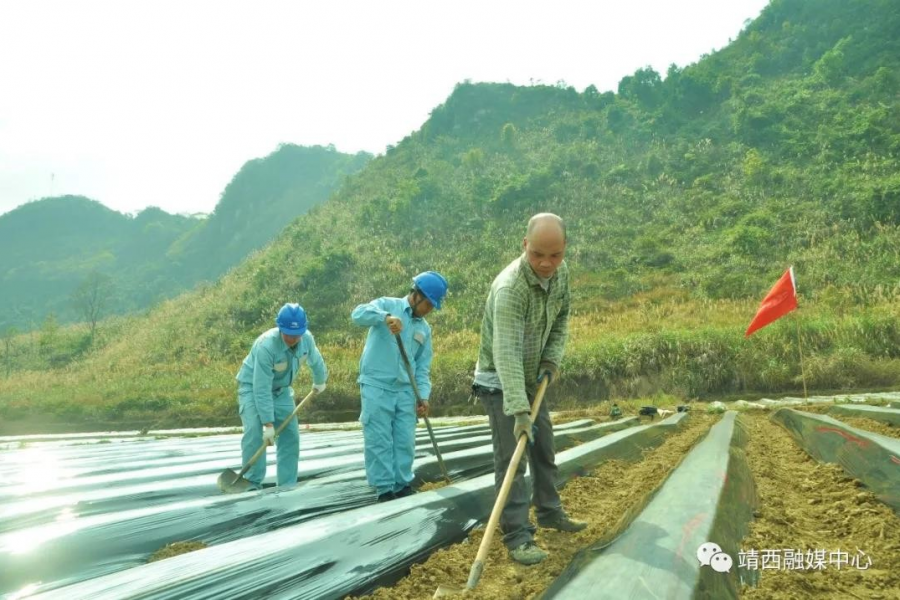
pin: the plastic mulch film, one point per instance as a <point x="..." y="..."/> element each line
<point x="893" y="397"/>
<point x="873" y="459"/>
<point x="47" y="485"/>
<point x="88" y="541"/>
<point x="352" y="552"/>
<point x="628" y="444"/>
<point x="71" y="512"/>
<point x="879" y="413"/>
<point x="702" y="510"/>
<point x="481" y="460"/>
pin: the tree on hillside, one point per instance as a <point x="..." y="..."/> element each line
<point x="644" y="86"/>
<point x="7" y="335"/>
<point x="92" y="297"/>
<point x="48" y="336"/>
<point x="832" y="66"/>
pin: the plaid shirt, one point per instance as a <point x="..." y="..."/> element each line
<point x="523" y="326"/>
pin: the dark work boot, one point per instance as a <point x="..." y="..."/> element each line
<point x="527" y="554"/>
<point x="407" y="491"/>
<point x="385" y="497"/>
<point x="562" y="522"/>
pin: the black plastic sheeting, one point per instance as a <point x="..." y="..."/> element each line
<point x="76" y="511"/>
<point x="45" y="485"/>
<point x="878" y="413"/>
<point x="60" y="552"/>
<point x="480" y="460"/>
<point x="41" y="485"/>
<point x="709" y="497"/>
<point x="352" y="552"/>
<point x="873" y="459"/>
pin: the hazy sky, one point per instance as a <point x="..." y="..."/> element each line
<point x="137" y="103"/>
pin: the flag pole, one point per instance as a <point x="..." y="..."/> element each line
<point x="800" y="349"/>
<point x="797" y="321"/>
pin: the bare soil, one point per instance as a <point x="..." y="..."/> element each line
<point x="805" y="506"/>
<point x="871" y="425"/>
<point x="432" y="485"/>
<point x="859" y="422"/>
<point x="174" y="549"/>
<point x="608" y="499"/>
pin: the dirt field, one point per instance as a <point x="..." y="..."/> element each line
<point x="870" y="425"/>
<point x="805" y="506"/>
<point x="601" y="498"/>
<point x="600" y="412"/>
<point x="808" y="506"/>
<point x="858" y="422"/>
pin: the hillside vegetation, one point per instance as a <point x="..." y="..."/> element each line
<point x="51" y="247"/>
<point x="686" y="195"/>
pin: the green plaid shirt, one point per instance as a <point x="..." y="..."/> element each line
<point x="523" y="325"/>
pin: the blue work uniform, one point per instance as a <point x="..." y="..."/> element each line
<point x="388" y="403"/>
<point x="265" y="396"/>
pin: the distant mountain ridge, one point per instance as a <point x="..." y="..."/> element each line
<point x="262" y="198"/>
<point x="48" y="246"/>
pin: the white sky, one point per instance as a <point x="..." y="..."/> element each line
<point x="137" y="103"/>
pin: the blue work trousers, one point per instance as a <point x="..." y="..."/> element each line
<point x="287" y="444"/>
<point x="389" y="432"/>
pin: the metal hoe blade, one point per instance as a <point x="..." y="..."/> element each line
<point x="446" y="590"/>
<point x="232" y="483"/>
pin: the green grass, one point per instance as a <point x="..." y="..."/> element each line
<point x="663" y="353"/>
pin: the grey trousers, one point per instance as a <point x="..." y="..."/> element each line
<point x="514" y="523"/>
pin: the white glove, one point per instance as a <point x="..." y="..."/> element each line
<point x="319" y="387"/>
<point x="269" y="435"/>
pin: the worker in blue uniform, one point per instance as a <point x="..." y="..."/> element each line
<point x="265" y="395"/>
<point x="389" y="407"/>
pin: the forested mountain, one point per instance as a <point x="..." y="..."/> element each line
<point x="686" y="196"/>
<point x="50" y="247"/>
<point x="261" y="199"/>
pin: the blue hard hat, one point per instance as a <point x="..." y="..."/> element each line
<point x="431" y="285"/>
<point x="291" y="319"/>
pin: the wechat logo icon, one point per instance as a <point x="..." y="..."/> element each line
<point x="711" y="555"/>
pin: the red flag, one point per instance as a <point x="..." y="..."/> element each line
<point x="780" y="300"/>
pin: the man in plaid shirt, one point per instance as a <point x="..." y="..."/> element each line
<point x="523" y="338"/>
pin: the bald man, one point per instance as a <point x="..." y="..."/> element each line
<point x="523" y="338"/>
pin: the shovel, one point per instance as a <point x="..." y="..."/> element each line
<point x="412" y="380"/>
<point x="231" y="482"/>
<point x="499" y="504"/>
